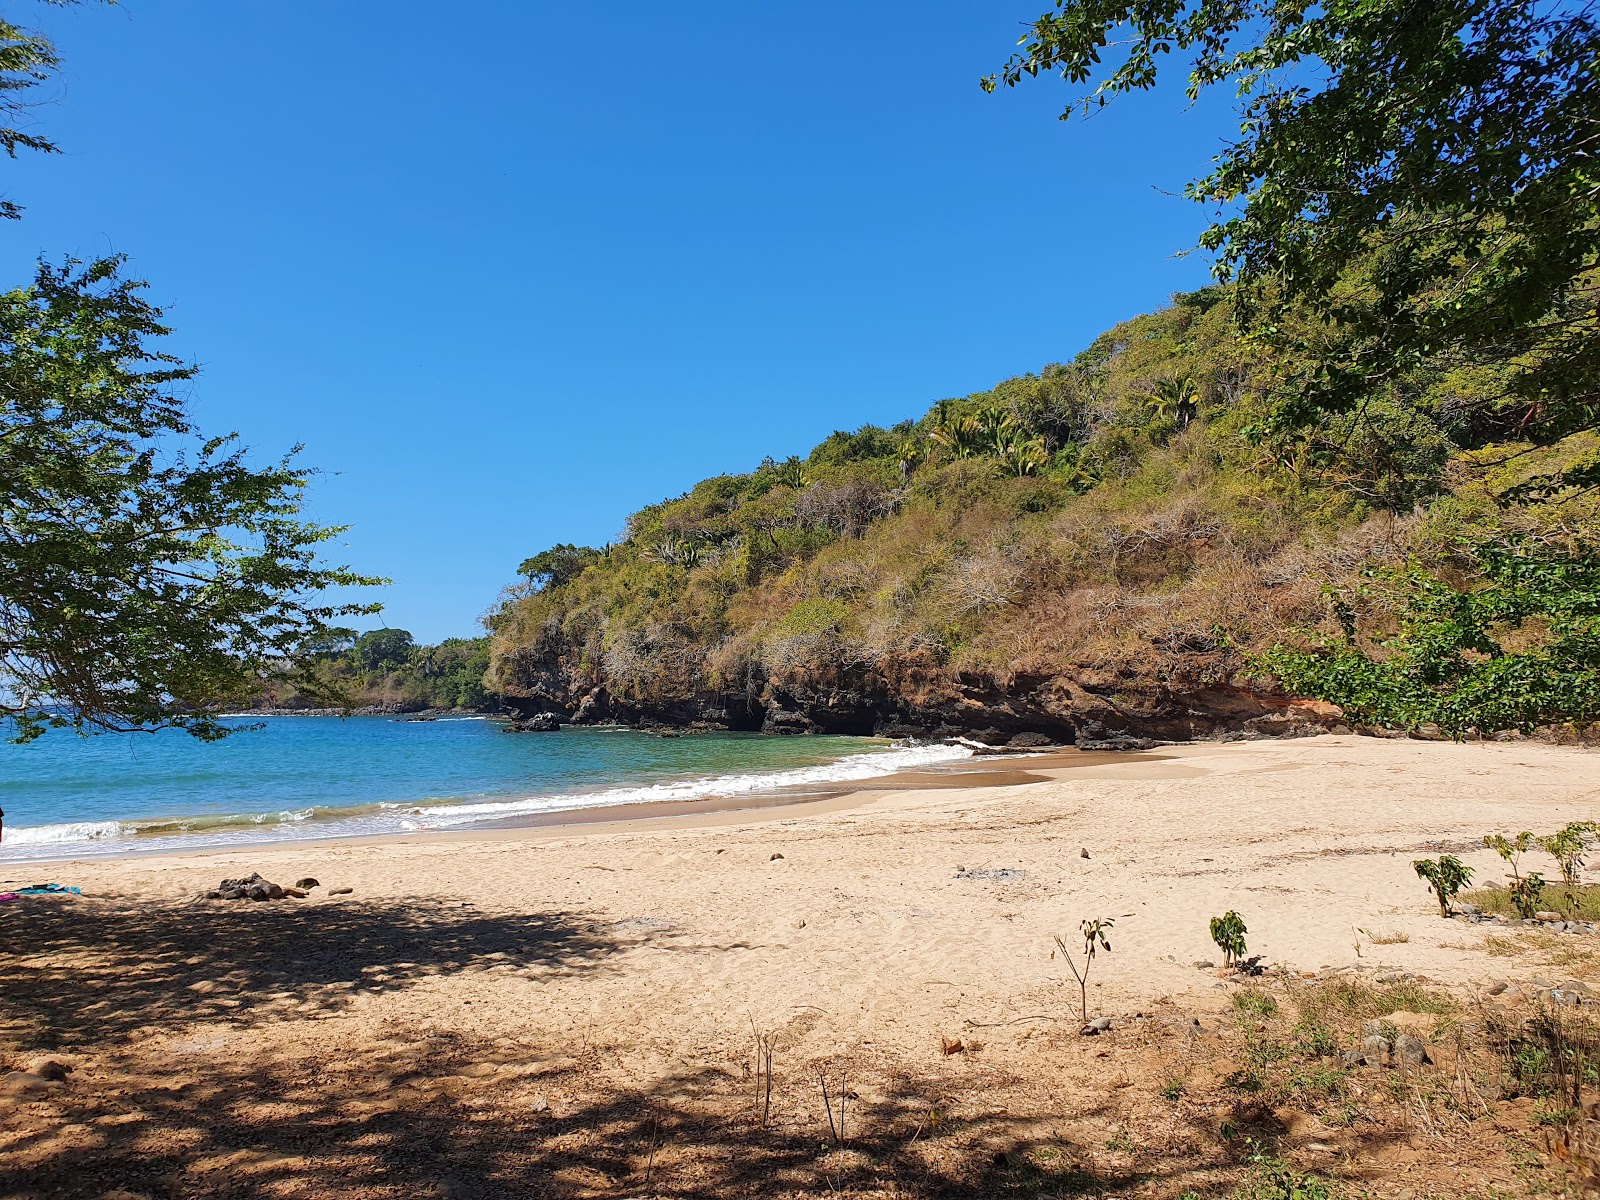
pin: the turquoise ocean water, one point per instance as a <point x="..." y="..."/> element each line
<point x="304" y="777"/>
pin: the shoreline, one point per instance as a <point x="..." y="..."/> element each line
<point x="564" y="991"/>
<point x="980" y="770"/>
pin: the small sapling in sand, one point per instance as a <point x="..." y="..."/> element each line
<point x="1567" y="846"/>
<point x="1525" y="893"/>
<point x="1446" y="876"/>
<point x="1094" y="938"/>
<point x="1228" y="931"/>
<point x="1510" y="849"/>
<point x="1525" y="889"/>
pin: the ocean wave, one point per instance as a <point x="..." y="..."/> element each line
<point x="215" y="829"/>
<point x="71" y="831"/>
<point x="845" y="770"/>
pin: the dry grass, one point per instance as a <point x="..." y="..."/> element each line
<point x="1393" y="938"/>
<point x="1580" y="902"/>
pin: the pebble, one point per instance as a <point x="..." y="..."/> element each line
<point x="1098" y="1025"/>
<point x="775" y="858"/>
<point x="344" y="891"/>
<point x="51" y="1069"/>
<point x="1375" y="1051"/>
<point x="307" y="882"/>
<point x="1410" y="1051"/>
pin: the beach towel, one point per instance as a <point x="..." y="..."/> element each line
<point x="48" y="889"/>
<point x="4" y="896"/>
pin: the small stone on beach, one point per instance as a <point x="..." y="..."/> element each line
<point x="51" y="1069"/>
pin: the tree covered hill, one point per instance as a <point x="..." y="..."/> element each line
<point x="386" y="669"/>
<point x="1110" y="548"/>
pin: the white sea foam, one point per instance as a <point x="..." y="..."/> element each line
<point x="72" y="831"/>
<point x="852" y="767"/>
<point x="92" y="838"/>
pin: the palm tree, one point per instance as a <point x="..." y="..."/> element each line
<point x="792" y="473"/>
<point x="1175" y="400"/>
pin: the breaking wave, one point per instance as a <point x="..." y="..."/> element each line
<point x="82" y="839"/>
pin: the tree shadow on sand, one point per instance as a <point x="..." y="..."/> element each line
<point x="79" y="971"/>
<point x="265" y="1132"/>
<point x="460" y="1118"/>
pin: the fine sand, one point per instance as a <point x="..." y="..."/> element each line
<point x="554" y="970"/>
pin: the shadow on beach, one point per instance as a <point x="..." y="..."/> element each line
<point x="435" y="1123"/>
<point x="453" y="1112"/>
<point x="79" y="972"/>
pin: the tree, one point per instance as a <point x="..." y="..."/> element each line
<point x="557" y="566"/>
<point x="27" y="60"/>
<point x="148" y="577"/>
<point x="1420" y="178"/>
<point x="379" y="649"/>
<point x="1518" y="648"/>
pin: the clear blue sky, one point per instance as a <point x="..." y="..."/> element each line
<point x="511" y="270"/>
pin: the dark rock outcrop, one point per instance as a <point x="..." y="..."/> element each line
<point x="544" y="722"/>
<point x="1091" y="708"/>
<point x="251" y="887"/>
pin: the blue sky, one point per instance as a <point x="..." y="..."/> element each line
<point x="510" y="270"/>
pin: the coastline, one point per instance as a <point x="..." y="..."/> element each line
<point x="993" y="770"/>
<point x="552" y="986"/>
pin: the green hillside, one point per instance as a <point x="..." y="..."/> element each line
<point x="1104" y="548"/>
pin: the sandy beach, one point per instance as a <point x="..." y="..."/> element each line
<point x="572" y="1010"/>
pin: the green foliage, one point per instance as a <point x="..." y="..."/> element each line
<point x="1446" y="876"/>
<point x="1576" y="903"/>
<point x="1228" y="931"/>
<point x="380" y="648"/>
<point x="1167" y="534"/>
<point x="1568" y="846"/>
<point x="557" y="566"/>
<point x="148" y="577"/>
<point x="1271" y="1179"/>
<point x="1253" y="1003"/>
<point x="813" y="616"/>
<point x="1515" y="648"/>
<point x="1525" y="893"/>
<point x="1510" y="849"/>
<point x="27" y="59"/>
<point x="385" y="668"/>
<point x="1407" y="171"/>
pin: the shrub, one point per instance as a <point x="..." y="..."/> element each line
<point x="1525" y="893"/>
<point x="1446" y="876"/>
<point x="1228" y="931"/>
<point x="1567" y="847"/>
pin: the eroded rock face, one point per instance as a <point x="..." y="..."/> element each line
<point x="1093" y="710"/>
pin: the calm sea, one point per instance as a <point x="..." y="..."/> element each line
<point x="303" y="777"/>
